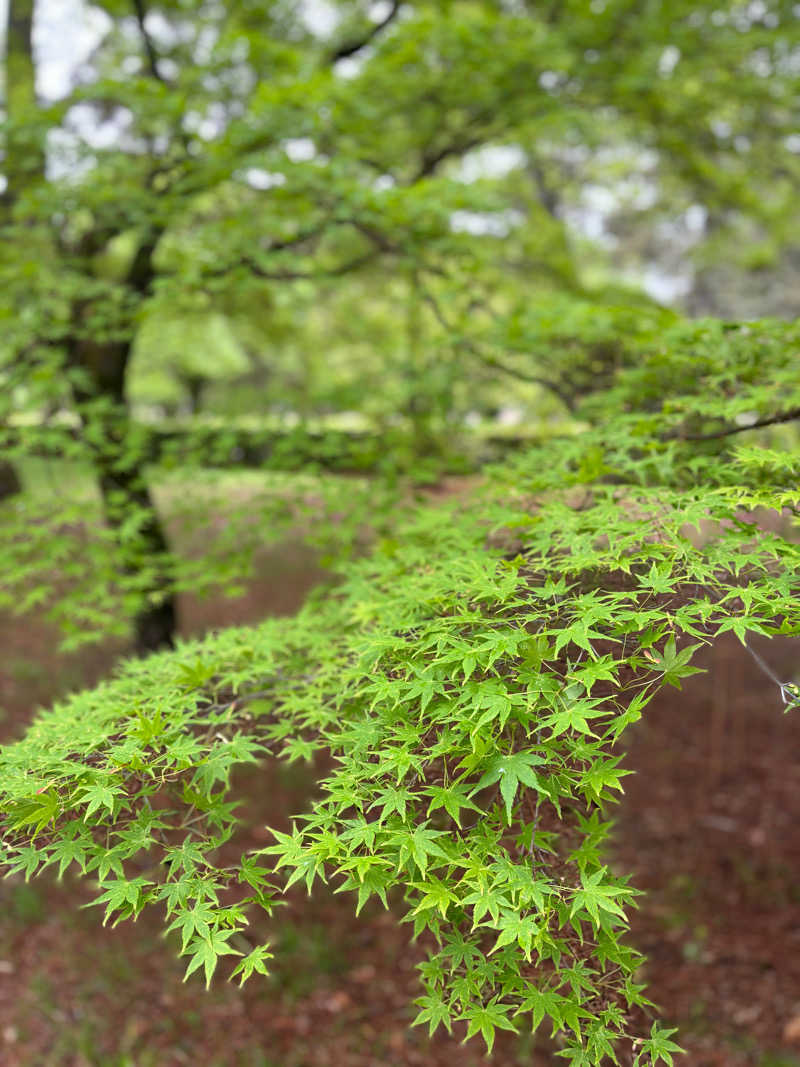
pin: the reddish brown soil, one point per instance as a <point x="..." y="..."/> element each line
<point x="710" y="824"/>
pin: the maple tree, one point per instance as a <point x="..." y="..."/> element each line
<point x="231" y="178"/>
<point x="474" y="673"/>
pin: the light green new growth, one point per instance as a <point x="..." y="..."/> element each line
<point x="473" y="679"/>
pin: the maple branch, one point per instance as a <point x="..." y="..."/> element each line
<point x="547" y="196"/>
<point x="463" y="141"/>
<point x="533" y="379"/>
<point x="350" y="48"/>
<point x="287" y="275"/>
<point x="772" y="420"/>
<point x="491" y="361"/>
<point x="380" y="244"/>
<point x="147" y="41"/>
<point x="431" y="160"/>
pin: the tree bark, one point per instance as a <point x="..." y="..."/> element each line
<point x="119" y="458"/>
<point x="9" y="480"/>
<point x="195" y="387"/>
<point x="25" y="146"/>
<point x="125" y="492"/>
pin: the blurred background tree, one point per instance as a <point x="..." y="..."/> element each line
<point x="360" y="232"/>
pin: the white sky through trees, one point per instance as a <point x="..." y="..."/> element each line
<point x="66" y="32"/>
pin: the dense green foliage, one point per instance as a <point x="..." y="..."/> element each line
<point x="232" y="211"/>
<point x="293" y="246"/>
<point x="473" y="678"/>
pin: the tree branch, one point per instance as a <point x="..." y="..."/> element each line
<point x="548" y="198"/>
<point x="299" y="275"/>
<point x="491" y="361"/>
<point x="430" y="161"/>
<point x="147" y="41"/>
<point x="350" y="48"/>
<point x="463" y="141"/>
<point x="299" y="238"/>
<point x="380" y="245"/>
<point x="379" y="240"/>
<point x="772" y="420"/>
<point x="533" y="379"/>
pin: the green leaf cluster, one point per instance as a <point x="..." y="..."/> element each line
<point x="473" y="681"/>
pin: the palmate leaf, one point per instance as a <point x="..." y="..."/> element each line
<point x="521" y="929"/>
<point x="35" y="812"/>
<point x="126" y="896"/>
<point x="195" y="918"/>
<point x="597" y="894"/>
<point x="487" y="1020"/>
<point x="676" y="665"/>
<point x="602" y="669"/>
<point x="70" y="850"/>
<point x="25" y="861"/>
<point x="435" y="894"/>
<point x="658" y="1047"/>
<point x="255" y="962"/>
<point x="97" y="797"/>
<point x="205" y="951"/>
<point x="435" y="1012"/>
<point x="420" y="845"/>
<point x="453" y="799"/>
<point x="509" y="771"/>
<point x="367" y="875"/>
<point x="469" y="689"/>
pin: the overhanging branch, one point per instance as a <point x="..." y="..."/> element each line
<point x="432" y="158"/>
<point x="352" y="47"/>
<point x="772" y="420"/>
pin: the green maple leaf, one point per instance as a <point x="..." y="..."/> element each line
<point x="509" y="771"/>
<point x="419" y="845"/>
<point x="434" y="1012"/>
<point x="254" y="962"/>
<point x="206" y="950"/>
<point x="521" y="929"/>
<point x="452" y="799"/>
<point x="485" y="1020"/>
<point x="658" y="1047"/>
<point x="674" y="664"/>
<point x="594" y="896"/>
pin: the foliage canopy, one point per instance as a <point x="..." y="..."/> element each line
<point x="263" y="187"/>
<point x="369" y="219"/>
<point x="473" y="679"/>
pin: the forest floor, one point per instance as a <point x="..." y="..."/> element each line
<point x="710" y="824"/>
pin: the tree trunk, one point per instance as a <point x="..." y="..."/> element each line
<point x="418" y="406"/>
<point x="9" y="480"/>
<point x="125" y="493"/>
<point x="195" y="387"/>
<point x="119" y="458"/>
<point x="25" y="146"/>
